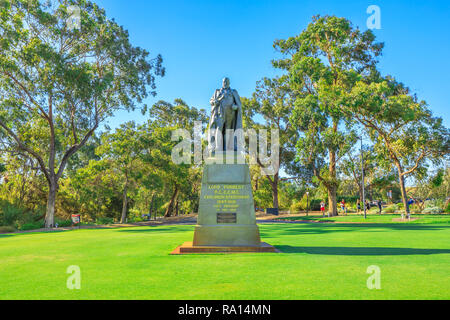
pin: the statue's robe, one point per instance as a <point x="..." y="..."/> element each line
<point x="217" y="123"/>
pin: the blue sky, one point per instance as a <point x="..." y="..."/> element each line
<point x="203" y="41"/>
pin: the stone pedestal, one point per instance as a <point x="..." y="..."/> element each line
<point x="226" y="218"/>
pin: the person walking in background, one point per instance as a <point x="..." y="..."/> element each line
<point x="358" y="205"/>
<point x="380" y="207"/>
<point x="322" y="208"/>
<point x="344" y="209"/>
<point x="367" y="205"/>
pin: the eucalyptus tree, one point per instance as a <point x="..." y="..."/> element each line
<point x="323" y="63"/>
<point x="352" y="166"/>
<point x="426" y="187"/>
<point x="402" y="127"/>
<point x="178" y="179"/>
<point x="94" y="191"/>
<point x="169" y="180"/>
<point x="177" y="114"/>
<point x="65" y="79"/>
<point x="273" y="101"/>
<point x="123" y="149"/>
<point x="23" y="184"/>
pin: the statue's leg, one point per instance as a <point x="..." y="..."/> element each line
<point x="229" y="140"/>
<point x="219" y="139"/>
<point x="212" y="143"/>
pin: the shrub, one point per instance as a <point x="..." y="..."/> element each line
<point x="447" y="209"/>
<point x="414" y="209"/>
<point x="14" y="216"/>
<point x="31" y="226"/>
<point x="135" y="215"/>
<point x="9" y="214"/>
<point x="86" y="224"/>
<point x="296" y="206"/>
<point x="432" y="210"/>
<point x="391" y="209"/>
<point x="64" y="223"/>
<point x="374" y="210"/>
<point x="135" y="219"/>
<point x="304" y="203"/>
<point x="434" y="203"/>
<point x="7" y="229"/>
<point x="314" y="204"/>
<point x="105" y="220"/>
<point x="348" y="199"/>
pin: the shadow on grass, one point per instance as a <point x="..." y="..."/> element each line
<point x="177" y="228"/>
<point x="6" y="235"/>
<point x="361" y="251"/>
<point x="307" y="228"/>
<point x="32" y="232"/>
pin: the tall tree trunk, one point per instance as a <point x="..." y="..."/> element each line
<point x="52" y="178"/>
<point x="51" y="201"/>
<point x="403" y="189"/>
<point x="22" y="188"/>
<point x="360" y="195"/>
<point x="151" y="206"/>
<point x="332" y="203"/>
<point x="170" y="207"/>
<point x="125" y="203"/>
<point x="274" y="185"/>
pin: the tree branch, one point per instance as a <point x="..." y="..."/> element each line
<point x="23" y="147"/>
<point x="422" y="155"/>
<point x="72" y="150"/>
<point x="44" y="114"/>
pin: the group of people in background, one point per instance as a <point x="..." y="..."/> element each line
<point x="358" y="205"/>
<point x="367" y="205"/>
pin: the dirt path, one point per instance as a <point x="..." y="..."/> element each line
<point x="261" y="218"/>
<point x="188" y="219"/>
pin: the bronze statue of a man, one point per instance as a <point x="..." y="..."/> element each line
<point x="226" y="118"/>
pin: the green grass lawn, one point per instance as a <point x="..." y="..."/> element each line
<point x="375" y="218"/>
<point x="319" y="261"/>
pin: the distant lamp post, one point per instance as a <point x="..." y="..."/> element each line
<point x="307" y="203"/>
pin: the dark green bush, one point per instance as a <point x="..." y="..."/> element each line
<point x="9" y="214"/>
<point x="348" y="199"/>
<point x="7" y="229"/>
<point x="391" y="209"/>
<point x="16" y="216"/>
<point x="64" y="223"/>
<point x="432" y="210"/>
<point x="105" y="220"/>
<point x="297" y="206"/>
<point x="31" y="226"/>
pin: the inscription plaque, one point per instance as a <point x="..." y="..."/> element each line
<point x="226" y="217"/>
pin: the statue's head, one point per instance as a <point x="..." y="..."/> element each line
<point x="226" y="83"/>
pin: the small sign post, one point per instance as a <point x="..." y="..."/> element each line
<point x="76" y="219"/>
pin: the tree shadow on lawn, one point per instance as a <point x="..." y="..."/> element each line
<point x="310" y="228"/>
<point x="32" y="232"/>
<point x="6" y="235"/>
<point x="360" y="251"/>
<point x="179" y="228"/>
